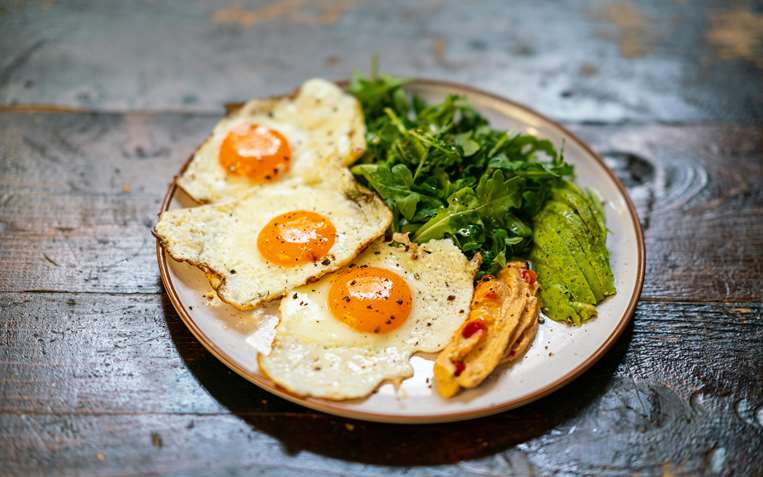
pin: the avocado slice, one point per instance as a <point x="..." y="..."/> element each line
<point x="595" y="252"/>
<point x="576" y="249"/>
<point x="551" y="253"/>
<point x="556" y="304"/>
<point x="598" y="210"/>
<point x="574" y="197"/>
<point x="555" y="297"/>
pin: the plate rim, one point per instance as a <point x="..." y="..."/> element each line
<point x="336" y="408"/>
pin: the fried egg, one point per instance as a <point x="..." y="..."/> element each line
<point x="267" y="141"/>
<point x="341" y="337"/>
<point x="256" y="248"/>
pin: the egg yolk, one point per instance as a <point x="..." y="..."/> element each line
<point x="296" y="237"/>
<point x="258" y="153"/>
<point x="370" y="299"/>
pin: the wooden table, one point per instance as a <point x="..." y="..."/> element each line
<point x="101" y="102"/>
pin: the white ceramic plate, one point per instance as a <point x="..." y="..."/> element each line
<point x="558" y="355"/>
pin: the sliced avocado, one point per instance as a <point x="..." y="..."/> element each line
<point x="574" y="197"/>
<point x="595" y="252"/>
<point x="598" y="210"/>
<point x="571" y="256"/>
<point x="556" y="304"/>
<point x="555" y="298"/>
<point x="557" y="223"/>
<point x="551" y="254"/>
<point x="585" y="310"/>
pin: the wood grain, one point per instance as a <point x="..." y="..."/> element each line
<point x="101" y="102"/>
<point x="78" y="203"/>
<point x="607" y="60"/>
<point x="139" y="373"/>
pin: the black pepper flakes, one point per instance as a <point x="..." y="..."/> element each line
<point x="451" y="297"/>
<point x="233" y="272"/>
<point x="326" y="262"/>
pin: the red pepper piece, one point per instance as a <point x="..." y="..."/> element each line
<point x="460" y="366"/>
<point x="529" y="276"/>
<point x="473" y="327"/>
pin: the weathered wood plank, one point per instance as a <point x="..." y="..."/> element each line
<point x="307" y="445"/>
<point x="79" y="193"/>
<point x="607" y="60"/>
<point x="139" y="377"/>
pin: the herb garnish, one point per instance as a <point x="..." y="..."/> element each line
<point x="445" y="172"/>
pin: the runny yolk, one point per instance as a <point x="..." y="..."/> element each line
<point x="370" y="299"/>
<point x="296" y="237"/>
<point x="258" y="153"/>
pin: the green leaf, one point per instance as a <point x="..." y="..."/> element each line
<point x="392" y="184"/>
<point x="493" y="197"/>
<point x="468" y="146"/>
<point x="445" y="172"/>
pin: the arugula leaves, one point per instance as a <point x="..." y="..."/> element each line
<point x="445" y="172"/>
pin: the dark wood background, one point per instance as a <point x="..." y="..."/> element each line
<point x="100" y="103"/>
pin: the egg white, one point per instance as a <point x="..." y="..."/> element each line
<point x="314" y="354"/>
<point x="321" y="123"/>
<point x="221" y="238"/>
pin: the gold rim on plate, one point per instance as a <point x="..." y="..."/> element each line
<point x="339" y="410"/>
